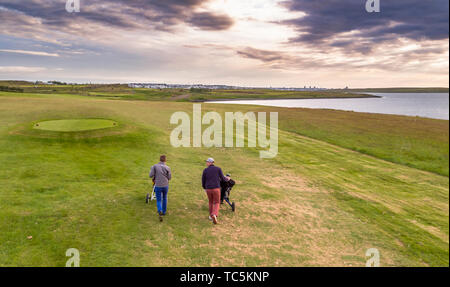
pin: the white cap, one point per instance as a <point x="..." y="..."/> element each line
<point x="211" y="160"/>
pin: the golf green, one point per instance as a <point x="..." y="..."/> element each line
<point x="75" y="125"/>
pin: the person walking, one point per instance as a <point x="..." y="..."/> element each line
<point x="211" y="178"/>
<point x="161" y="175"/>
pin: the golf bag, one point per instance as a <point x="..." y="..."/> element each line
<point x="225" y="191"/>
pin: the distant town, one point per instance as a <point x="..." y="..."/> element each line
<point x="216" y="87"/>
<point x="193" y="86"/>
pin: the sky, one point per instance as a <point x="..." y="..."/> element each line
<point x="264" y="43"/>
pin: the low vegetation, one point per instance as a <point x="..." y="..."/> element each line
<point x="121" y="91"/>
<point x="400" y="90"/>
<point x="321" y="202"/>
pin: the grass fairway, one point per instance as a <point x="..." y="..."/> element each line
<point x="319" y="203"/>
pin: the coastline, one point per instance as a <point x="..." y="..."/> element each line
<point x="291" y="98"/>
<point x="378" y="107"/>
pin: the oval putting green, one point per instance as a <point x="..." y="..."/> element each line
<point x="75" y="125"/>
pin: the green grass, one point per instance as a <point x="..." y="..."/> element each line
<point x="74" y="125"/>
<point x="210" y="95"/>
<point x="417" y="142"/>
<point x="123" y="92"/>
<point x="318" y="203"/>
<point x="412" y="141"/>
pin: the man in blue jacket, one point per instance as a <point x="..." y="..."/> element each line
<point x="211" y="178"/>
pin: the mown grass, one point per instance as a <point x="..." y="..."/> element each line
<point x="74" y="125"/>
<point x="416" y="142"/>
<point x="315" y="204"/>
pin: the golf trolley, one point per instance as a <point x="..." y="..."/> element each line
<point x="226" y="197"/>
<point x="151" y="197"/>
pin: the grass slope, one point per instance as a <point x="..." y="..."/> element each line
<point x="416" y="142"/>
<point x="315" y="204"/>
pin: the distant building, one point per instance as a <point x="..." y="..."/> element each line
<point x="212" y="87"/>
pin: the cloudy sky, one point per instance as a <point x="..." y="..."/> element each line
<point x="333" y="43"/>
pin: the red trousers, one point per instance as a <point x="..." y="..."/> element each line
<point x="214" y="201"/>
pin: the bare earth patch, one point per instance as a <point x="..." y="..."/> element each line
<point x="288" y="180"/>
<point x="295" y="228"/>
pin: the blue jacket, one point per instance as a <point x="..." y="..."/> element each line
<point x="212" y="176"/>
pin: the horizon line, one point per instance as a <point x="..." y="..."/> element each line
<point x="234" y="86"/>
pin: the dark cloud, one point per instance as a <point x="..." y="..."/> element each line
<point x="279" y="60"/>
<point x="127" y="14"/>
<point x="326" y="22"/>
<point x="211" y="21"/>
<point x="262" y="55"/>
<point x="423" y="58"/>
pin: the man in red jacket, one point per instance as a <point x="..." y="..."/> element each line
<point x="211" y="178"/>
